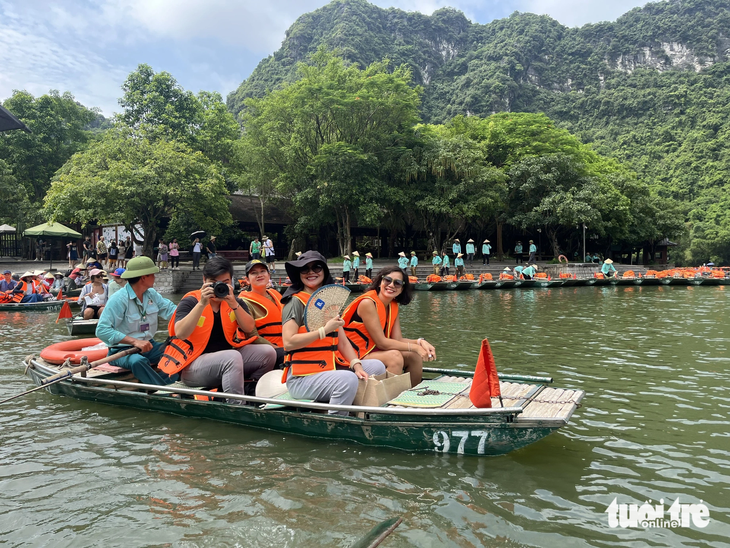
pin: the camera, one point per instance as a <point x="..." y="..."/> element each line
<point x="220" y="290"/>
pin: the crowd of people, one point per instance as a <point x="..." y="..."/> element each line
<point x="226" y="341"/>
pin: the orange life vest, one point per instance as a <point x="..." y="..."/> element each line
<point x="356" y="331"/>
<point x="180" y="353"/>
<point x="19" y="291"/>
<point x="268" y="326"/>
<point x="316" y="357"/>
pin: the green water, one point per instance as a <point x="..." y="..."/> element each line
<point x="654" y="425"/>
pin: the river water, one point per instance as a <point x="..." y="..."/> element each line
<point x="654" y="425"/>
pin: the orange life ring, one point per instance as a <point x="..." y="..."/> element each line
<point x="561" y="257"/>
<point x="59" y="352"/>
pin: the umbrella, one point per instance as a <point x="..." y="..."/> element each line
<point x="6" y="229"/>
<point x="52" y="230"/>
<point x="8" y="121"/>
<point x="198" y="234"/>
<point x="710" y="264"/>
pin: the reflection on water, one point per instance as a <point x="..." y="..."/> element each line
<point x="653" y="360"/>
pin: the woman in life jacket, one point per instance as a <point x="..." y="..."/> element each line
<point x="264" y="305"/>
<point x="25" y="291"/>
<point x="312" y="369"/>
<point x="212" y="336"/>
<point x="373" y="327"/>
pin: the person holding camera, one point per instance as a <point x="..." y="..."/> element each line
<point x="212" y="332"/>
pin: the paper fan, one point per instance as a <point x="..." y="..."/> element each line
<point x="324" y="304"/>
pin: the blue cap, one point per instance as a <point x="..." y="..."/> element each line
<point x="118" y="272"/>
<point x="7" y="272"/>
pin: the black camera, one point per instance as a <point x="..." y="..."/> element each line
<point x="220" y="290"/>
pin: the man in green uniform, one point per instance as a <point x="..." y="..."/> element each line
<point x="445" y="264"/>
<point x="414" y="263"/>
<point x="459" y="264"/>
<point x="436" y="262"/>
<point x="369" y="265"/>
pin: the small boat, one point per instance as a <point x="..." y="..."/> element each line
<point x="488" y="284"/>
<point x="440" y="286"/>
<point x="540" y="283"/>
<point x="651" y="280"/>
<point x="530" y="410"/>
<point x="697" y="280"/>
<point x="461" y="285"/>
<point x="29" y="307"/>
<point x="510" y="284"/>
<point x="356" y="287"/>
<point x="569" y="282"/>
<point x="79" y="326"/>
<point x="422" y="286"/>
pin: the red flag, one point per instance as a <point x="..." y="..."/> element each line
<point x="60" y="294"/>
<point x="485" y="384"/>
<point x="65" y="312"/>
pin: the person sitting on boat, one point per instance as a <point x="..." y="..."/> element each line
<point x="402" y="261"/>
<point x="355" y="265"/>
<point x="116" y="282"/>
<point x="57" y="284"/>
<point x="264" y="305"/>
<point x="92" y="264"/>
<point x="529" y="271"/>
<point x="436" y="262"/>
<point x="459" y="264"/>
<point x="25" y="292"/>
<point x="93" y="296"/>
<point x="212" y="333"/>
<point x="445" y="264"/>
<point x="369" y="264"/>
<point x="312" y="369"/>
<point x="7" y="283"/>
<point x="373" y="327"/>
<point x="413" y="263"/>
<point x="130" y="319"/>
<point x="607" y="269"/>
<point x="346" y="266"/>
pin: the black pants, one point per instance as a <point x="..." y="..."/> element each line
<point x="174" y="261"/>
<point x="369" y="273"/>
<point x="444" y="271"/>
<point x="346" y="276"/>
<point x="518" y="258"/>
<point x="470" y="257"/>
<point x="196" y="260"/>
<point x="485" y="259"/>
<point x="357" y="274"/>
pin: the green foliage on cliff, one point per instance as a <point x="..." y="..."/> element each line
<point x="651" y="89"/>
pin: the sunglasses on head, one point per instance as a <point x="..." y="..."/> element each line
<point x="316" y="268"/>
<point x="396" y="283"/>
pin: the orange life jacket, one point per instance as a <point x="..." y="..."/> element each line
<point x="19" y="291"/>
<point x="316" y="357"/>
<point x="268" y="326"/>
<point x="180" y="353"/>
<point x="356" y="331"/>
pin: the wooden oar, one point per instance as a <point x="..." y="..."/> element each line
<point x="68" y="373"/>
<point x="378" y="533"/>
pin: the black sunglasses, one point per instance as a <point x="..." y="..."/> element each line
<point x="316" y="268"/>
<point x="397" y="283"/>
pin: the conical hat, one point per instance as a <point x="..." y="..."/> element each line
<point x="270" y="385"/>
<point x="355" y="254"/>
<point x="401" y="254"/>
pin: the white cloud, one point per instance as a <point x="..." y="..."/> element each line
<point x="579" y="12"/>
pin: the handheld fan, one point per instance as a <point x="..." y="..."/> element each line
<point x="324" y="304"/>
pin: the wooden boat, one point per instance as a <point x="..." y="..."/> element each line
<point x="650" y="280"/>
<point x="510" y="284"/>
<point x="421" y="287"/>
<point x="531" y="411"/>
<point x="439" y="286"/>
<point x="461" y="285"/>
<point x="356" y="287"/>
<point x="29" y="307"/>
<point x="79" y="326"/>
<point x="540" y="283"/>
<point x="488" y="284"/>
<point x="698" y="280"/>
<point x="570" y="282"/>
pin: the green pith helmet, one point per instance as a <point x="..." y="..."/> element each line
<point x="140" y="266"/>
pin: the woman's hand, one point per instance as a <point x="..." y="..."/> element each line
<point x="430" y="351"/>
<point x="334" y="324"/>
<point x="359" y="371"/>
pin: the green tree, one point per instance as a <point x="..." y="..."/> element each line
<point x="130" y="180"/>
<point x="57" y="123"/>
<point x="333" y="113"/>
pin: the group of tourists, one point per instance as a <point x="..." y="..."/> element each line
<point x="353" y="265"/>
<point x="220" y="340"/>
<point x="30" y="287"/>
<point x="110" y="255"/>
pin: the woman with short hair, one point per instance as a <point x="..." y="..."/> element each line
<point x="373" y="327"/>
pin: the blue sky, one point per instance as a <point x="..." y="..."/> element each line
<point x="88" y="47"/>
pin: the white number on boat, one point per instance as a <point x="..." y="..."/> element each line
<point x="442" y="442"/>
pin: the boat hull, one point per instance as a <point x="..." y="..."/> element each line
<point x="488" y="284"/>
<point x="461" y="286"/>
<point x="476" y="435"/>
<point x="29" y="307"/>
<point x="421" y="287"/>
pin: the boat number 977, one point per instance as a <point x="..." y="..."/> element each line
<point x="442" y="441"/>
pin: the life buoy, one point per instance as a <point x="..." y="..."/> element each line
<point x="59" y="352"/>
<point x="561" y="257"/>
